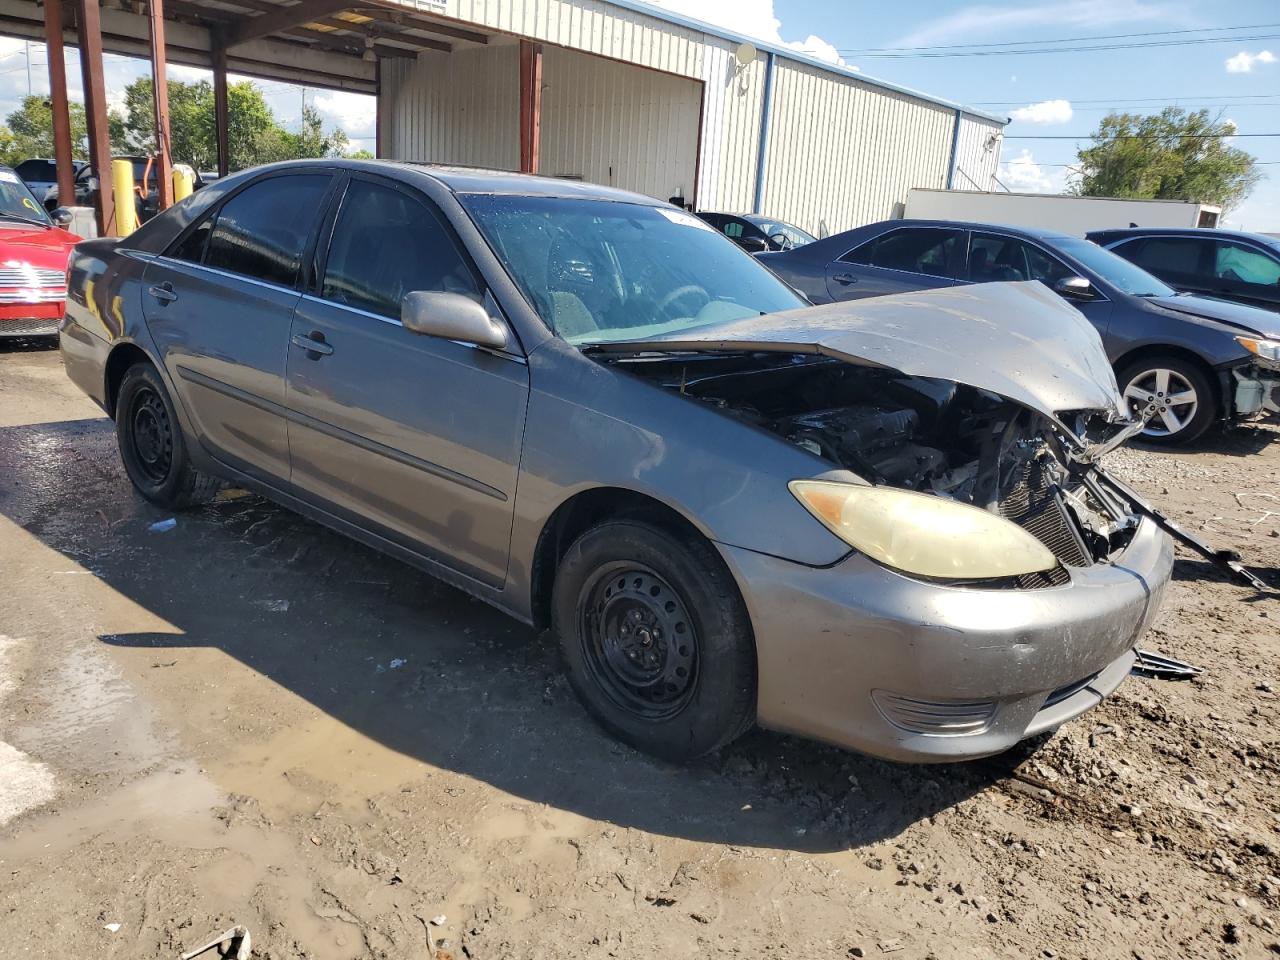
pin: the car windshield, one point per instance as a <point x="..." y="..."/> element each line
<point x="1120" y="273"/>
<point x="773" y="229"/>
<point x="600" y="271"/>
<point x="17" y="203"/>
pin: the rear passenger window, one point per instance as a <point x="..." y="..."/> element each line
<point x="1167" y="255"/>
<point x="386" y="244"/>
<point x="262" y="231"/>
<point x="915" y="250"/>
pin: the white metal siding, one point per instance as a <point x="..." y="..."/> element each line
<point x="460" y="107"/>
<point x="730" y="129"/>
<point x="591" y="26"/>
<point x="977" y="158"/>
<point x="617" y="124"/>
<point x="843" y="153"/>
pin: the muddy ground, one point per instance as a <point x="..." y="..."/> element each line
<point x="246" y="719"/>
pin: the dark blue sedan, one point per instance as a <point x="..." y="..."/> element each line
<point x="1183" y="361"/>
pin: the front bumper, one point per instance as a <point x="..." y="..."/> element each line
<point x="39" y="318"/>
<point x="826" y="639"/>
<point x="1256" y="389"/>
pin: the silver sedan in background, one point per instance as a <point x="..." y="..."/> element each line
<point x="874" y="524"/>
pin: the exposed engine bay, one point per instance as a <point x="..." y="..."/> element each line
<point x="915" y="433"/>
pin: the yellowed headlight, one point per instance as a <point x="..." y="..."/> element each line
<point x="923" y="534"/>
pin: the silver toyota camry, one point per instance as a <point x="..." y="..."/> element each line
<point x="878" y="524"/>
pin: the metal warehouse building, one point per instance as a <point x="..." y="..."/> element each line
<point x="613" y="92"/>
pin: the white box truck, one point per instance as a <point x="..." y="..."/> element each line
<point x="1071" y="215"/>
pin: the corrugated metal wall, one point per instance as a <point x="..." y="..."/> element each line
<point x="460" y="107"/>
<point x="593" y="26"/>
<point x="730" y="129"/>
<point x="617" y="124"/>
<point x="976" y="163"/>
<point x="843" y="153"/>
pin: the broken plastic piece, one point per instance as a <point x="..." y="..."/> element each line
<point x="227" y="940"/>
<point x="1155" y="666"/>
<point x="163" y="526"/>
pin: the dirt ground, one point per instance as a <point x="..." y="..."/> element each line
<point x="246" y="719"/>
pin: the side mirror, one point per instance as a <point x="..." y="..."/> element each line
<point x="451" y="316"/>
<point x="753" y="244"/>
<point x="61" y="216"/>
<point x="1074" y="288"/>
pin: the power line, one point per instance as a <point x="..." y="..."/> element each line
<point x="1088" y="49"/>
<point x="1021" y="43"/>
<point x="1133" y="136"/>
<point x="1104" y="100"/>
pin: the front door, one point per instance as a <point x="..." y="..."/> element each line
<point x="414" y="437"/>
<point x="219" y="304"/>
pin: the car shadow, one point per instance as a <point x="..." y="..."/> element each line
<point x="425" y="670"/>
<point x="1233" y="440"/>
<point x="27" y="344"/>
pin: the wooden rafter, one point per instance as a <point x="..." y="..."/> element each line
<point x="283" y="19"/>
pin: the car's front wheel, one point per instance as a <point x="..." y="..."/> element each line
<point x="1173" y="393"/>
<point x="656" y="639"/>
<point x="151" y="444"/>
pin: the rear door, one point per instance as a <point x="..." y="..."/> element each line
<point x="413" y="437"/>
<point x="900" y="260"/>
<point x="219" y="303"/>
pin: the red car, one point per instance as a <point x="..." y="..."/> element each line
<point x="33" y="262"/>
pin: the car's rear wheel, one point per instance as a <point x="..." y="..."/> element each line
<point x="151" y="443"/>
<point x="656" y="639"/>
<point x="1174" y="393"/>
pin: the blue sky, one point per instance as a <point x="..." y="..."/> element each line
<point x="1053" y="94"/>
<point x="1048" y="94"/>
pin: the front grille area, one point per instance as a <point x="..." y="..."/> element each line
<point x="27" y="277"/>
<point x="28" y="328"/>
<point x="33" y="295"/>
<point x="1034" y="504"/>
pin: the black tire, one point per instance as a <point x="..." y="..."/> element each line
<point x="1143" y="373"/>
<point x="633" y="606"/>
<point x="152" y="446"/>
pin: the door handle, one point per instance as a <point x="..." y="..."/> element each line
<point x="844" y="279"/>
<point x="313" y="343"/>
<point x="163" y="292"/>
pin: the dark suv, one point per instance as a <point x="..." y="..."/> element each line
<point x="1243" y="267"/>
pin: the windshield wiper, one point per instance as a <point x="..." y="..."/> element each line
<point x="21" y="219"/>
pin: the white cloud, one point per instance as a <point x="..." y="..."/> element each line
<point x="1023" y="175"/>
<point x="353" y="112"/>
<point x="984" y="20"/>
<point x="1044" y="113"/>
<point x="1243" y="61"/>
<point x="755" y="18"/>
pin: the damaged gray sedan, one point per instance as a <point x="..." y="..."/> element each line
<point x="878" y="524"/>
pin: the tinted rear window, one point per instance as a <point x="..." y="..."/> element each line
<point x="36" y="170"/>
<point x="263" y="230"/>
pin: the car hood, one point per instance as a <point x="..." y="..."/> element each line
<point x="1244" y="318"/>
<point x="1019" y="340"/>
<point x="45" y="248"/>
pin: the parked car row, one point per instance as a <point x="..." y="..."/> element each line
<point x="1183" y="362"/>
<point x="41" y="176"/>
<point x="876" y="523"/>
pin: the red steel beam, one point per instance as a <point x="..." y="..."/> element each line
<point x="89" y="28"/>
<point x="530" y="104"/>
<point x="62" y="146"/>
<point x="160" y="94"/>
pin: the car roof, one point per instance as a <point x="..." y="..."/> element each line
<point x="1185" y="232"/>
<point x="1037" y="233"/>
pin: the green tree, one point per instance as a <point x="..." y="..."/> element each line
<point x="28" y="131"/>
<point x="254" y="134"/>
<point x="1172" y="155"/>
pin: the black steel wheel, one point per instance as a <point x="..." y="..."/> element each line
<point x="655" y="637"/>
<point x="152" y="446"/>
<point x="638" y="640"/>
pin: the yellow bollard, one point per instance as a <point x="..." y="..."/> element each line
<point x="183" y="182"/>
<point x="122" y="186"/>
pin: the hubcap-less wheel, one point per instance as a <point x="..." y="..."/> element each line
<point x="1165" y="397"/>
<point x="638" y="641"/>
<point x="152" y="435"/>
